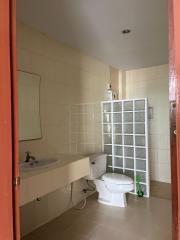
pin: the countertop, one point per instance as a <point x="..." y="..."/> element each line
<point x="63" y="159"/>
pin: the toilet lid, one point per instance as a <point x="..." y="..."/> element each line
<point x="117" y="178"/>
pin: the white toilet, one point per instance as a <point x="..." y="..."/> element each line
<point x="112" y="187"/>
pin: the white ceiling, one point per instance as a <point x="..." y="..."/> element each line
<point x="95" y="26"/>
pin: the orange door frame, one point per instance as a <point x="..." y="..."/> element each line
<point x="9" y="173"/>
<point x="174" y="95"/>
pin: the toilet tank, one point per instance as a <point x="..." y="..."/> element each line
<point x="97" y="166"/>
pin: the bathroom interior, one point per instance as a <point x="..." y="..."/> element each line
<point x="94" y="136"/>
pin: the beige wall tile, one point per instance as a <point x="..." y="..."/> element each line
<point x="153" y="83"/>
<point x="24" y="60"/>
<point x="72" y="86"/>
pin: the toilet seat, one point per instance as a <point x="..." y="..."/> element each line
<point x="112" y="188"/>
<point x="118" y="183"/>
<point x="116" y="178"/>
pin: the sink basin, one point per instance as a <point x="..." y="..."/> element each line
<point x="38" y="164"/>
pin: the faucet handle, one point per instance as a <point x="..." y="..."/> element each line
<point x="28" y="152"/>
<point x="27" y="155"/>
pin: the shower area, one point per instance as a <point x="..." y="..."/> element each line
<point x="125" y="139"/>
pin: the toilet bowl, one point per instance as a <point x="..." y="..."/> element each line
<point x="112" y="187"/>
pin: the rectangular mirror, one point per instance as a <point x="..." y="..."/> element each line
<point x="29" y="106"/>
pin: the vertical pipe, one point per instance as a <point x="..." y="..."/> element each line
<point x="147" y="152"/>
<point x="134" y="147"/>
<point x="112" y="132"/>
<point x="123" y="150"/>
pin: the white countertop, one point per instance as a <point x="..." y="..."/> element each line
<point x="43" y="180"/>
<point x="63" y="159"/>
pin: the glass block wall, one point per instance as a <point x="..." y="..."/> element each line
<point x="125" y="138"/>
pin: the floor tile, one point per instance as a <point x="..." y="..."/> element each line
<point x="142" y="219"/>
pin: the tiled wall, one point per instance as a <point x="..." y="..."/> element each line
<point x="67" y="77"/>
<point x="86" y="128"/>
<point x="72" y="86"/>
<point x="153" y="82"/>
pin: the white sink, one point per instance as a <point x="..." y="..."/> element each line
<point x="37" y="164"/>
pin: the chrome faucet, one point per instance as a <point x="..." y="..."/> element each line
<point x="29" y="157"/>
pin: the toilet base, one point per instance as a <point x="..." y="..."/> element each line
<point x="116" y="200"/>
<point x="112" y="194"/>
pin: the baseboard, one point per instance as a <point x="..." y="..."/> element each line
<point x="161" y="189"/>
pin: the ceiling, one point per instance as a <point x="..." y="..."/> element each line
<point x="94" y="26"/>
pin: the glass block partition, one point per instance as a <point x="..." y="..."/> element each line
<point x="125" y="138"/>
